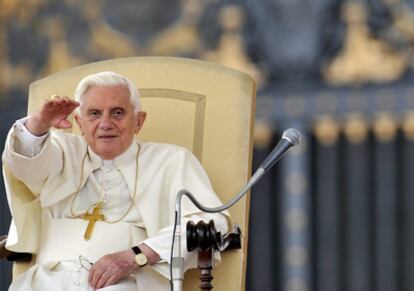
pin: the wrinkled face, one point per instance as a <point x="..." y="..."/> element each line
<point x="108" y="121"/>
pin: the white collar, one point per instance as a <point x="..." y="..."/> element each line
<point x="120" y="160"/>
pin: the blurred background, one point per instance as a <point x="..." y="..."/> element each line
<point x="336" y="213"/>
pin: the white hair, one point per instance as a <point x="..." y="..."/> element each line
<point x="107" y="78"/>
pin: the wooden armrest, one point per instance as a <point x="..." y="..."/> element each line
<point x="232" y="240"/>
<point x="203" y="236"/>
<point x="3" y="251"/>
<point x="12" y="256"/>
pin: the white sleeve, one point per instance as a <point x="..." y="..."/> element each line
<point x="27" y="144"/>
<point x="161" y="243"/>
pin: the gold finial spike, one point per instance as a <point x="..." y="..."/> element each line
<point x="385" y="127"/>
<point x="356" y="129"/>
<point x="263" y="134"/>
<point x="326" y="130"/>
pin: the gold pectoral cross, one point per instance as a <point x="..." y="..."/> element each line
<point x="93" y="217"/>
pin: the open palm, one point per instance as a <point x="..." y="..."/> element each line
<point x="54" y="113"/>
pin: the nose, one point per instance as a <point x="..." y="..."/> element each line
<point x="106" y="122"/>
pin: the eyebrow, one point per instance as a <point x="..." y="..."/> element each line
<point x="111" y="109"/>
<point x="119" y="108"/>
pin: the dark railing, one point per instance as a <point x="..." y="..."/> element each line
<point x="337" y="213"/>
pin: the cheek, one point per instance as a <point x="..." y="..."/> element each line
<point x="89" y="130"/>
<point x="131" y="127"/>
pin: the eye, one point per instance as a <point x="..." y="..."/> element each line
<point x="92" y="114"/>
<point x="119" y="112"/>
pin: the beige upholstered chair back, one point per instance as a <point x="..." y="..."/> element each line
<point x="202" y="106"/>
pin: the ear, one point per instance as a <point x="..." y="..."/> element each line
<point x="141" y="116"/>
<point x="79" y="122"/>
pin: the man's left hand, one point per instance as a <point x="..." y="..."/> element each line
<point x="112" y="268"/>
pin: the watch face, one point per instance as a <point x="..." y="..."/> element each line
<point x="141" y="259"/>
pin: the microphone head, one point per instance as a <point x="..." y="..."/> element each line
<point x="292" y="135"/>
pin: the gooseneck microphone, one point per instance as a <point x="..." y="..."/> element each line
<point x="290" y="137"/>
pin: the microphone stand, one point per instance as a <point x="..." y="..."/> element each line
<point x="290" y="138"/>
<point x="178" y="260"/>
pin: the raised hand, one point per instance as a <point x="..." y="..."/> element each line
<point x="54" y="113"/>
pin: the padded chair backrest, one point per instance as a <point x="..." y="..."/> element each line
<point x="202" y="106"/>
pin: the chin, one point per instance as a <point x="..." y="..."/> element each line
<point x="107" y="154"/>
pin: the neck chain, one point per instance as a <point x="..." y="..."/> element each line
<point x="100" y="203"/>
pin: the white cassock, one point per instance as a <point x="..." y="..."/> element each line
<point x="67" y="179"/>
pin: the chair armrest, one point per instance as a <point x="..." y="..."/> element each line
<point x="203" y="236"/>
<point x="3" y="251"/>
<point x="12" y="256"/>
<point x="232" y="240"/>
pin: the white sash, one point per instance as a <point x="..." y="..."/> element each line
<point x="62" y="239"/>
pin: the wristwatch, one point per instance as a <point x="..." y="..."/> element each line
<point x="140" y="258"/>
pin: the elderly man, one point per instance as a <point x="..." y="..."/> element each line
<point x="107" y="199"/>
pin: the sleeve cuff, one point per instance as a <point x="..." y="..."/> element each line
<point x="26" y="143"/>
<point x="161" y="243"/>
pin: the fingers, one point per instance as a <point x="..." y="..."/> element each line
<point x="64" y="123"/>
<point x="103" y="276"/>
<point x="95" y="276"/>
<point x="111" y="281"/>
<point x="99" y="278"/>
<point x="107" y="280"/>
<point x="61" y="102"/>
<point x="111" y="269"/>
<point x="56" y="110"/>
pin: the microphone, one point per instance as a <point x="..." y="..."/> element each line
<point x="290" y="137"/>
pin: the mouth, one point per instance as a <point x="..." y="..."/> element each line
<point x="107" y="137"/>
